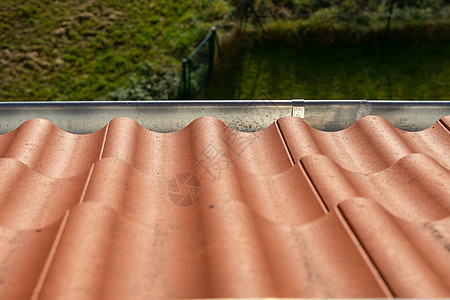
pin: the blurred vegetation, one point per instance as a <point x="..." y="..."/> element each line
<point x="415" y="70"/>
<point x="336" y="49"/>
<point x="353" y="12"/>
<point x="352" y="21"/>
<point x="102" y="49"/>
<point x="148" y="85"/>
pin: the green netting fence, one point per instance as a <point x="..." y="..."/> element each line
<point x="198" y="67"/>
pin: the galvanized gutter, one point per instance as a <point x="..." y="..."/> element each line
<point x="244" y="115"/>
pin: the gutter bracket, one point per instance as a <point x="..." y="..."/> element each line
<point x="298" y="108"/>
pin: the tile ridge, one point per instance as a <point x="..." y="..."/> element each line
<point x="349" y="147"/>
<point x="308" y="178"/>
<point x="444" y="125"/>
<point x="239" y="169"/>
<point x="400" y="161"/>
<point x="104" y="141"/>
<point x="364" y="253"/>
<point x="86" y="184"/>
<point x="41" y="281"/>
<point x="88" y="179"/>
<point x="364" y="216"/>
<point x="337" y="184"/>
<point x="283" y="139"/>
<point x="30" y="169"/>
<point x="256" y="216"/>
<point x="314" y="189"/>
<point x="122" y="216"/>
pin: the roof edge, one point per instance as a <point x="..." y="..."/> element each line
<point x="243" y="115"/>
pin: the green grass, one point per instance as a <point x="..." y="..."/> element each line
<point x="81" y="50"/>
<point x="86" y="49"/>
<point x="384" y="70"/>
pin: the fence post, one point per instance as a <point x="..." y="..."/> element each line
<point x="391" y="9"/>
<point x="219" y="51"/>
<point x="244" y="12"/>
<point x="212" y="51"/>
<point x="189" y="79"/>
<point x="183" y="79"/>
<point x="249" y="7"/>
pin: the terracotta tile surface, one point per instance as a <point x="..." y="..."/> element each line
<point x="207" y="211"/>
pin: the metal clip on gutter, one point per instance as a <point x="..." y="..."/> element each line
<point x="243" y="115"/>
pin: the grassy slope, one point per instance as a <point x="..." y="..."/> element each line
<point x="82" y="49"/>
<point x="390" y="70"/>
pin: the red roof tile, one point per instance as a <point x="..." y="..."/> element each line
<point x="208" y="211"/>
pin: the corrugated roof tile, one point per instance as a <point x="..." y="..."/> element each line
<point x="395" y="247"/>
<point x="50" y="151"/>
<point x="208" y="211"/>
<point x="369" y="145"/>
<point x="415" y="188"/>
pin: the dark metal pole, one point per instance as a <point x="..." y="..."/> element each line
<point x="246" y="13"/>
<point x="218" y="47"/>
<point x="257" y="18"/>
<point x="211" y="51"/>
<point x="183" y="78"/>
<point x="189" y="78"/>
<point x="242" y="9"/>
<point x="391" y="8"/>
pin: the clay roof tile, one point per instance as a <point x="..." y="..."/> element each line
<point x="208" y="211"/>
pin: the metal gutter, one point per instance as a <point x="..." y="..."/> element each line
<point x="406" y="115"/>
<point x="244" y="115"/>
